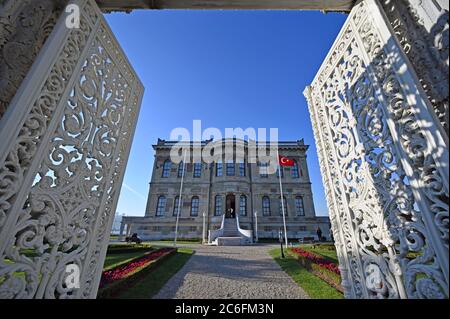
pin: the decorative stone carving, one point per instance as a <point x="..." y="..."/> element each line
<point x="383" y="162"/>
<point x="422" y="28"/>
<point x="61" y="170"/>
<point x="24" y="27"/>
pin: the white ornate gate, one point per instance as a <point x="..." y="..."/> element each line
<point x="64" y="144"/>
<point x="383" y="154"/>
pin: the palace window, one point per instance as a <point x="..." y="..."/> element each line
<point x="218" y="205"/>
<point x="243" y="205"/>
<point x="280" y="170"/>
<point x="266" y="206"/>
<point x="195" y="203"/>
<point x="242" y="168"/>
<point x="176" y="205"/>
<point x="281" y="207"/>
<point x="299" y="207"/>
<point x="161" y="206"/>
<point x="294" y="170"/>
<point x="263" y="172"/>
<point x="219" y="168"/>
<point x="181" y="169"/>
<point x="197" y="169"/>
<point x="166" y="169"/>
<point x="230" y="169"/>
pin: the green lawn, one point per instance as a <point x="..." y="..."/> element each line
<point x="315" y="287"/>
<point x="113" y="260"/>
<point x="155" y="280"/>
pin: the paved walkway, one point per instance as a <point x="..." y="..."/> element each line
<point x="231" y="272"/>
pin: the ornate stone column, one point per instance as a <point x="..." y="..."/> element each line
<point x="72" y="100"/>
<point x="383" y="153"/>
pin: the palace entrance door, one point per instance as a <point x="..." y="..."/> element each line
<point x="230" y="211"/>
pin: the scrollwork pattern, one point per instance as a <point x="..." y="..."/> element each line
<point x="24" y="27"/>
<point x="65" y="215"/>
<point x="428" y="50"/>
<point x="379" y="224"/>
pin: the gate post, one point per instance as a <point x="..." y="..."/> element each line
<point x="65" y="140"/>
<point x="383" y="153"/>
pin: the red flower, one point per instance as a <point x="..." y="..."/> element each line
<point x="122" y="271"/>
<point x="322" y="262"/>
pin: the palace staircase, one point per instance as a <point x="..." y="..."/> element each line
<point x="230" y="234"/>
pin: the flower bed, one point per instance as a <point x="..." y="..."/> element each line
<point x="115" y="280"/>
<point x="321" y="267"/>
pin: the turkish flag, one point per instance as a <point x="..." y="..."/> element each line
<point x="284" y="161"/>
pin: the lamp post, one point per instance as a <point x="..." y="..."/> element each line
<point x="204" y="228"/>
<point x="281" y="243"/>
<point x="256" y="225"/>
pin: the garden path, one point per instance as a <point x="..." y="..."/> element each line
<point x="231" y="272"/>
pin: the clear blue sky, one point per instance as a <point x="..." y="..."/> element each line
<point x="226" y="68"/>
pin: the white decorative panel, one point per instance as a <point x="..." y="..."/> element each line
<point x="65" y="141"/>
<point x="384" y="163"/>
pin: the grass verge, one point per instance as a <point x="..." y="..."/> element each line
<point x="114" y="260"/>
<point x="315" y="287"/>
<point x="155" y="280"/>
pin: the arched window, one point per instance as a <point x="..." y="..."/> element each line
<point x="299" y="207"/>
<point x="243" y="205"/>
<point x="218" y="205"/>
<point x="266" y="206"/>
<point x="181" y="169"/>
<point x="280" y="171"/>
<point x="176" y="205"/>
<point x="281" y="207"/>
<point x="219" y="168"/>
<point x="197" y="169"/>
<point x="161" y="206"/>
<point x="166" y="169"/>
<point x="230" y="168"/>
<point x="242" y="168"/>
<point x="195" y="204"/>
<point x="294" y="170"/>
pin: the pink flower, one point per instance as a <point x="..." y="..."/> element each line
<point x="122" y="271"/>
<point x="321" y="262"/>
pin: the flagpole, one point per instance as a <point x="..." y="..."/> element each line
<point x="282" y="198"/>
<point x="180" y="202"/>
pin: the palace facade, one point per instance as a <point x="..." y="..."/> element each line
<point x="228" y="187"/>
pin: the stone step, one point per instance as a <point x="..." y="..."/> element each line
<point x="230" y="234"/>
<point x="229" y="241"/>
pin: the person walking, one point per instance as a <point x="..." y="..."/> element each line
<point x="319" y="233"/>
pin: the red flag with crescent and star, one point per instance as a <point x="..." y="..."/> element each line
<point x="284" y="161"/>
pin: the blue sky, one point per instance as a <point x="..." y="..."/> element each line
<point x="226" y="68"/>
